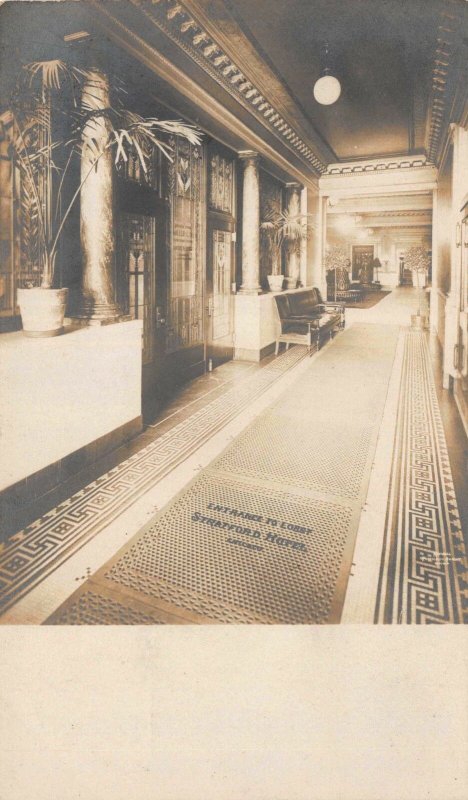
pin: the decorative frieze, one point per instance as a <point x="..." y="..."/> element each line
<point x="183" y="29"/>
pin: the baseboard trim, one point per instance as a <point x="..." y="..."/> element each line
<point x="461" y="408"/>
<point x="18" y="500"/>
<point x="243" y="354"/>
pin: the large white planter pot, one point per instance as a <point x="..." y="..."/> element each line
<point x="275" y="282"/>
<point x="42" y="311"/>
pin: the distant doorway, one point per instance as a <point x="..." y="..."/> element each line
<point x="363" y="255"/>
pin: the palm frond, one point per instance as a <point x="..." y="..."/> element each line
<point x="125" y="132"/>
<point x="52" y="72"/>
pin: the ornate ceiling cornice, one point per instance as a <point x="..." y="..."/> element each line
<point x="425" y="213"/>
<point x="378" y="165"/>
<point x="383" y="214"/>
<point x="181" y="26"/>
<point x="445" y="74"/>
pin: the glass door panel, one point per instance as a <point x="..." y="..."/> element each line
<point x="185" y="307"/>
<point x="222" y="279"/>
<point x="138" y="233"/>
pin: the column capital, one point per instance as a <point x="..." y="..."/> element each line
<point x="249" y="157"/>
<point x="294" y="186"/>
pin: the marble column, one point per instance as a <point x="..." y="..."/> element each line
<point x="293" y="260"/>
<point x="304" y="243"/>
<point x="322" y="233"/>
<point x="434" y="295"/>
<point x="250" y="224"/>
<point x="97" y="225"/>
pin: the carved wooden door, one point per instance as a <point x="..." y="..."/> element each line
<point x="219" y="295"/>
<point x="142" y="237"/>
<point x="220" y="271"/>
<point x="362" y="257"/>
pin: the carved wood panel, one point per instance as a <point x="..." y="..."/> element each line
<point x="185" y="291"/>
<point x="221" y="187"/>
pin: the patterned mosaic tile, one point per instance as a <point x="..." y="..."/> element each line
<point x="424" y="570"/>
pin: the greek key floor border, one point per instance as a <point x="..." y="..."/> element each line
<point x="35" y="552"/>
<point x="424" y="570"/>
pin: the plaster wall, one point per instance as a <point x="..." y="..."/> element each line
<point x="444" y="210"/>
<point x="61" y="394"/>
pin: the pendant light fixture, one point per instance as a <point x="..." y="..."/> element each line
<point x="327" y="88"/>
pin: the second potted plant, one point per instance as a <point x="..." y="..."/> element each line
<point x="283" y="228"/>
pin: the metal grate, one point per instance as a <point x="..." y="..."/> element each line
<point x="94" y="608"/>
<point x="272" y="574"/>
<point x="276" y="449"/>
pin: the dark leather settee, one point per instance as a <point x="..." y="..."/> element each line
<point x="304" y="318"/>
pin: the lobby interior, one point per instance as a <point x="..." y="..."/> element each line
<point x="179" y="455"/>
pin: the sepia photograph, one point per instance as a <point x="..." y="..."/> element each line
<point x="234" y="304"/>
<point x="234" y="384"/>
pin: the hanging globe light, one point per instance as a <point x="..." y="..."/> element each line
<point x="327" y="88"/>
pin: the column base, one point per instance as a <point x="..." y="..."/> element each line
<point x="97" y="322"/>
<point x="98" y="313"/>
<point x="251" y="290"/>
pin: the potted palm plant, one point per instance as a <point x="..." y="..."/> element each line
<point x="282" y="228"/>
<point x="33" y="148"/>
<point x="417" y="259"/>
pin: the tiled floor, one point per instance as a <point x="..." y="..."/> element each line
<point x="424" y="569"/>
<point x="130" y="484"/>
<point x="299" y="473"/>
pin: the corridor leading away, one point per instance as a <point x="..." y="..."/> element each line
<point x="306" y="490"/>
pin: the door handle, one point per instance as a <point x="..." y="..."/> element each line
<point x="160" y="321"/>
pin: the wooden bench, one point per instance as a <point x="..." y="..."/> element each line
<point x="304" y="318"/>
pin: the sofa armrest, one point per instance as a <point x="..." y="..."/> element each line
<point x="304" y="317"/>
<point x="305" y="320"/>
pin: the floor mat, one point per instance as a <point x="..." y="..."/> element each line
<point x="266" y="533"/>
<point x="369" y="300"/>
<point x="423" y="577"/>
